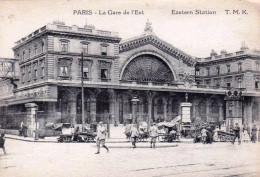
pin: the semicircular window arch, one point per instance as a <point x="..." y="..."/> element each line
<point x="148" y="68"/>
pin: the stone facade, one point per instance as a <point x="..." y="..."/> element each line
<point x="116" y="71"/>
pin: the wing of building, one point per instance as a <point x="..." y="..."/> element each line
<point x="155" y="72"/>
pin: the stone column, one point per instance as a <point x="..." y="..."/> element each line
<point x="112" y="110"/>
<point x="170" y="110"/>
<point x="150" y="103"/>
<point x="207" y="110"/>
<point x="93" y="107"/>
<point x="31" y="109"/>
<point x="250" y="113"/>
<point x="221" y="112"/>
<point x="117" y="111"/>
<point x="165" y="110"/>
<point x="73" y="111"/>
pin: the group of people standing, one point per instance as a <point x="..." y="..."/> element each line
<point x="245" y="134"/>
<point x="153" y="133"/>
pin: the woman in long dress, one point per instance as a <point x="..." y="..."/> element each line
<point x="215" y="136"/>
<point x="254" y="131"/>
<point x="245" y="136"/>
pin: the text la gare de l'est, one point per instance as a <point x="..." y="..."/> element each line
<point x="108" y="12"/>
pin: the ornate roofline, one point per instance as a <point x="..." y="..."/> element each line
<point x="155" y="41"/>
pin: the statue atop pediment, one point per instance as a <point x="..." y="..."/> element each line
<point x="148" y="26"/>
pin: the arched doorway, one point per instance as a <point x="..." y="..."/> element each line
<point x="214" y="111"/>
<point x="87" y="105"/>
<point x="103" y="106"/>
<point x="64" y="106"/>
<point x="202" y="110"/>
<point x="125" y="108"/>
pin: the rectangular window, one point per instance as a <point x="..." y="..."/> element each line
<point x="257" y="67"/>
<point x="228" y="85"/>
<point x="257" y="84"/>
<point x="218" y="70"/>
<point x="23" y="55"/>
<point x="63" y="70"/>
<point x="104" y="50"/>
<point x="208" y="71"/>
<point x="42" y="47"/>
<point x="23" y="76"/>
<point x="43" y="71"/>
<point x="197" y="72"/>
<point x="104" y="73"/>
<point x="228" y="68"/>
<point x="29" y="53"/>
<point x="239" y="66"/>
<point x="85" y="48"/>
<point x="35" y="50"/>
<point x="64" y="46"/>
<point x="35" y="74"/>
<point x="85" y="73"/>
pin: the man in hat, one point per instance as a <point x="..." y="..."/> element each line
<point x="101" y="137"/>
<point x="134" y="135"/>
<point x="2" y="142"/>
<point x="153" y="134"/>
<point x="236" y="130"/>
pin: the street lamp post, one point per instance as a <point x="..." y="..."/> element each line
<point x="82" y="94"/>
<point x="135" y="100"/>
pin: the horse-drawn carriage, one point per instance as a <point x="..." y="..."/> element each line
<point x="69" y="134"/>
<point x="168" y="131"/>
<point x="66" y="132"/>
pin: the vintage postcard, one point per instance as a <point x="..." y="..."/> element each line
<point x="129" y="88"/>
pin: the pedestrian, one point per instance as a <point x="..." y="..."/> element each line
<point x="101" y="137"/>
<point x="254" y="131"/>
<point x="215" y="136"/>
<point x="209" y="138"/>
<point x="236" y="130"/>
<point x="245" y="136"/>
<point x="134" y="135"/>
<point x="203" y="135"/>
<point x="153" y="134"/>
<point x="2" y="142"/>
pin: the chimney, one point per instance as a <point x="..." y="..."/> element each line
<point x="213" y="54"/>
<point x="223" y="52"/>
<point x="244" y="47"/>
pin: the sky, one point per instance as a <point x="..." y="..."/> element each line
<point x="194" y="34"/>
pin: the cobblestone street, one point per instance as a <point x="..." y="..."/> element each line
<point x="78" y="159"/>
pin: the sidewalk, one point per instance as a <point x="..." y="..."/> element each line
<point x="109" y="140"/>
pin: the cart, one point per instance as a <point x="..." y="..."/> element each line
<point x="225" y="136"/>
<point x="66" y="132"/>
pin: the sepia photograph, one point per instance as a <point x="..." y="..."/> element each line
<point x="129" y="88"/>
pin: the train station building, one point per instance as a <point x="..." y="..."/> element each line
<point x="46" y="71"/>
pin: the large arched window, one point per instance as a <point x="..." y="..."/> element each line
<point x="147" y="68"/>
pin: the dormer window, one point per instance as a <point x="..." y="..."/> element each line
<point x="64" y="45"/>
